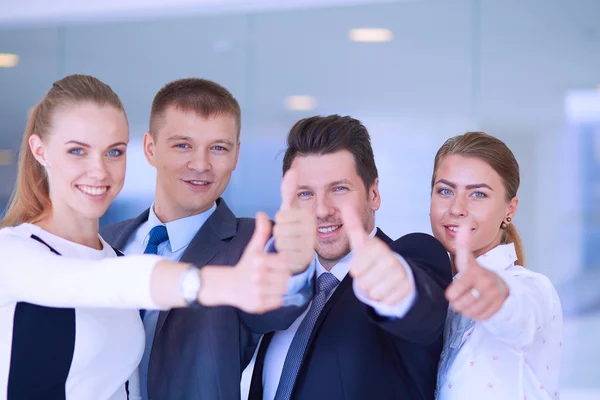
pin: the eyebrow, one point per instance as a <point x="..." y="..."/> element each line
<point x="182" y="138"/>
<point x="223" y="141"/>
<point x="468" y="187"/>
<point x="178" y="138"/>
<point x="88" y="146"/>
<point x="331" y="184"/>
<point x="341" y="182"/>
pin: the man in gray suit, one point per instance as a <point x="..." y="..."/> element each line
<point x="193" y="142"/>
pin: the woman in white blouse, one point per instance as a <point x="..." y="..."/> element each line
<point x="503" y="336"/>
<point x="70" y="328"/>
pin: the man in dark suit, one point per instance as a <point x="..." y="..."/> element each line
<point x="374" y="327"/>
<point x="193" y="143"/>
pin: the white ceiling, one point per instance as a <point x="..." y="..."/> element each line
<point x="17" y="12"/>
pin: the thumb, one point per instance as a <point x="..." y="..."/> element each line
<point x="463" y="256"/>
<point x="261" y="235"/>
<point x="289" y="185"/>
<point x="354" y="227"/>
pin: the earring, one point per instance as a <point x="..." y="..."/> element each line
<point x="508" y="219"/>
<point x="503" y="225"/>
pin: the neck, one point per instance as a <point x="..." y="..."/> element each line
<point x="82" y="231"/>
<point x="328" y="264"/>
<point x="166" y="211"/>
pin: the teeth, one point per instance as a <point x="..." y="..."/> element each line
<point x="201" y="183"/>
<point x="92" y="190"/>
<point x="453" y="228"/>
<point x="329" y="229"/>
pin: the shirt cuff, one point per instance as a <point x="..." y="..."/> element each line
<point x="398" y="310"/>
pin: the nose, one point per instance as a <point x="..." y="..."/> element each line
<point x="458" y="208"/>
<point x="199" y="162"/>
<point x="97" y="168"/>
<point x="324" y="207"/>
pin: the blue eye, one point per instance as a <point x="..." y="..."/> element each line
<point x="340" y="189"/>
<point x="304" y="195"/>
<point x="445" y="192"/>
<point x="479" y="195"/>
<point x="115" y="153"/>
<point x="182" y="146"/>
<point x="219" y="148"/>
<point x="76" y="151"/>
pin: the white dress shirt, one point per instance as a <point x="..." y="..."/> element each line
<point x="516" y="354"/>
<point x="280" y="344"/>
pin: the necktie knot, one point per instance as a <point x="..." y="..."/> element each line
<point x="326" y="283"/>
<point x="158" y="234"/>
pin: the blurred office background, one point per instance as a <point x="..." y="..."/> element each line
<point x="415" y="72"/>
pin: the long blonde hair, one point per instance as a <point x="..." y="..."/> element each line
<point x="498" y="156"/>
<point x="30" y="200"/>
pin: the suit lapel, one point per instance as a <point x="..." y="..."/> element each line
<point x="386" y="239"/>
<point x="210" y="240"/>
<point x="129" y="229"/>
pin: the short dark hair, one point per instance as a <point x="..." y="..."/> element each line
<point x="200" y="96"/>
<point x="325" y="135"/>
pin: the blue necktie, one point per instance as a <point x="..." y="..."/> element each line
<point x="325" y="284"/>
<point x="158" y="235"/>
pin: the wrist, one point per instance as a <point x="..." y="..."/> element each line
<point x="217" y="286"/>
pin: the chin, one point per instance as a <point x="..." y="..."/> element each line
<point x="331" y="252"/>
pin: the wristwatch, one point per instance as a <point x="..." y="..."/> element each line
<point x="190" y="286"/>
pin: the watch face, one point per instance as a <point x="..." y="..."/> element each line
<point x="191" y="285"/>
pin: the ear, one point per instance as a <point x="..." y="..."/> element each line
<point x="149" y="148"/>
<point x="38" y="149"/>
<point x="374" y="197"/>
<point x="511" y="208"/>
<point x="237" y="155"/>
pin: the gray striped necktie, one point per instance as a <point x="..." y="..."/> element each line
<point x="325" y="284"/>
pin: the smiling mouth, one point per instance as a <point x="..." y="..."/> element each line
<point x="329" y="229"/>
<point x="93" y="190"/>
<point x="454" y="228"/>
<point x="198" y="183"/>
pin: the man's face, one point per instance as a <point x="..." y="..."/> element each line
<point x="194" y="158"/>
<point x="325" y="184"/>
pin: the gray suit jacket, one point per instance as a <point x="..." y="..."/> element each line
<point x="200" y="354"/>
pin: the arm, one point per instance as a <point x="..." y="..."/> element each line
<point x="529" y="312"/>
<point x="30" y="272"/>
<point x="424" y="322"/>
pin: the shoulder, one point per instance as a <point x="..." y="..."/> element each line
<point x="521" y="272"/>
<point x="245" y="227"/>
<point x="109" y="231"/>
<point x="426" y="251"/>
<point x="17" y="239"/>
<point x="419" y="242"/>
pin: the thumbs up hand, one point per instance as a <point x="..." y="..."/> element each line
<point x="295" y="230"/>
<point x="375" y="268"/>
<point x="477" y="293"/>
<point x="260" y="279"/>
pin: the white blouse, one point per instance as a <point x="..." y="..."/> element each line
<point x="105" y="291"/>
<point x="516" y="354"/>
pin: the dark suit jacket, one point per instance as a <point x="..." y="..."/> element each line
<point x="201" y="353"/>
<point x="355" y="354"/>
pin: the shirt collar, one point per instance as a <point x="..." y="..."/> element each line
<point x="181" y="231"/>
<point x="339" y="270"/>
<point x="499" y="258"/>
